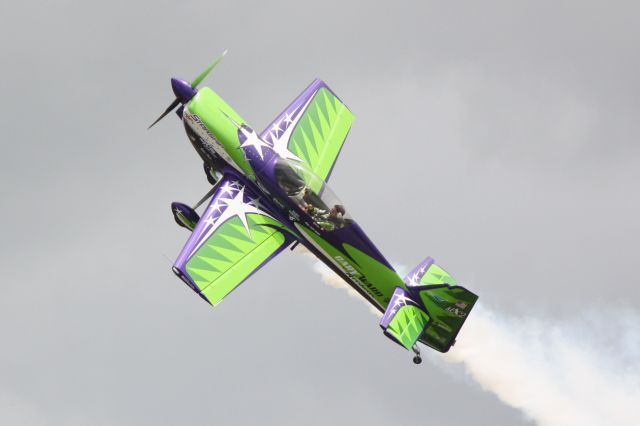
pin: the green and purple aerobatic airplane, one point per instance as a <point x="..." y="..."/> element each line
<point x="270" y="191"/>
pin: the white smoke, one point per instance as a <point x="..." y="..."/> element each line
<point x="567" y="374"/>
<point x="556" y="374"/>
<point x="334" y="280"/>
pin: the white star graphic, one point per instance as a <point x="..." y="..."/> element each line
<point x="237" y="207"/>
<point x="216" y="206"/>
<point x="280" y="146"/>
<point x="255" y="202"/>
<point x="253" y="140"/>
<point x="414" y="280"/>
<point x="233" y="205"/>
<point x="280" y="142"/>
<point x="401" y="301"/>
<point x="287" y="118"/>
<point x="227" y="188"/>
<point x="276" y="128"/>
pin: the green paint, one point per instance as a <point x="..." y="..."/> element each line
<point x="211" y="109"/>
<point x="380" y="276"/>
<point x="188" y="223"/>
<point x="407" y="325"/>
<point x="320" y="134"/>
<point x="231" y="254"/>
<point x="449" y="308"/>
<point x="328" y="248"/>
<point x="436" y="275"/>
<point x="377" y="280"/>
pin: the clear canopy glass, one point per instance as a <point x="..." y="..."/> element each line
<point x="311" y="194"/>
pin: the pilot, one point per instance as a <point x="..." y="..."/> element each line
<point x="336" y="215"/>
<point x="336" y="210"/>
<point x="333" y="219"/>
<point x="313" y="210"/>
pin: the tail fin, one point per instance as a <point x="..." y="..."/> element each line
<point x="447" y="304"/>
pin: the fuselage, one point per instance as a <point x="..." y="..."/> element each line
<point x="290" y="191"/>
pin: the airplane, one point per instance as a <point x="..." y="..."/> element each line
<point x="269" y="191"/>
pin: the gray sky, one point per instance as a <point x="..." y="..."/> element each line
<point x="500" y="139"/>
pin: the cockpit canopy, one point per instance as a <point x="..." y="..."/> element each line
<point x="311" y="194"/>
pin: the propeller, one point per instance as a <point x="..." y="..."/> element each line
<point x="174" y="104"/>
<point x="184" y="90"/>
<point x="204" y="73"/>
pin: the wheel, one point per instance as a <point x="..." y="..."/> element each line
<point x="417" y="359"/>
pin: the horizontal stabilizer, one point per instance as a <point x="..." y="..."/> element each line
<point x="404" y="321"/>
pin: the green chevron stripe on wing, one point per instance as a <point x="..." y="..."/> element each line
<point x="407" y="325"/>
<point x="231" y="254"/>
<point x="320" y="133"/>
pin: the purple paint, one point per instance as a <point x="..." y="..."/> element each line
<point x="229" y="186"/>
<point x="419" y="271"/>
<point x="183" y="90"/>
<point x="389" y="313"/>
<point x="185" y="210"/>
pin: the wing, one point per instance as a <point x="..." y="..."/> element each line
<point x="312" y="129"/>
<point x="234" y="238"/>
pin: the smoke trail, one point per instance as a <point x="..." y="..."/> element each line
<point x="587" y="373"/>
<point x="334" y="280"/>
<point x="556" y="374"/>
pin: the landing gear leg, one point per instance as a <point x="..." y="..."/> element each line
<point x="417" y="359"/>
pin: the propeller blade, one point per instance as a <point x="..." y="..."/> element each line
<point x="201" y="77"/>
<point x="174" y="104"/>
